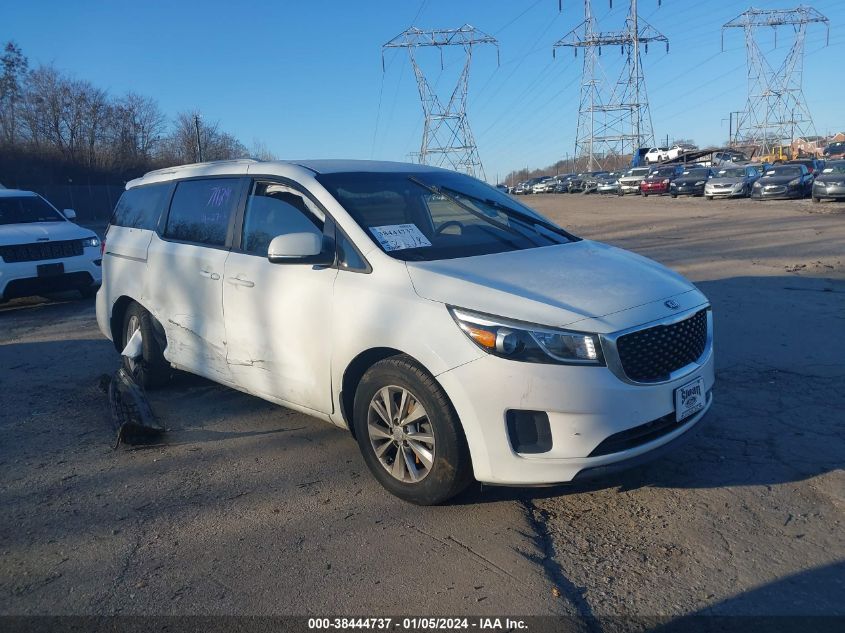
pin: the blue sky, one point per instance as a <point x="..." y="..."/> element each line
<point x="306" y="77"/>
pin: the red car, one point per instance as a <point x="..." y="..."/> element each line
<point x="657" y="182"/>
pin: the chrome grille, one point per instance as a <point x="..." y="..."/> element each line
<point x="40" y="251"/>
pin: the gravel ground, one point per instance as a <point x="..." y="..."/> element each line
<point x="248" y="508"/>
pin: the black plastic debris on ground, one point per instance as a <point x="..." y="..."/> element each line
<point x="132" y="416"/>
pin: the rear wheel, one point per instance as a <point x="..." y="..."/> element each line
<point x="409" y="434"/>
<point x="151" y="370"/>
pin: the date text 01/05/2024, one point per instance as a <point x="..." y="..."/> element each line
<point x="418" y="623"/>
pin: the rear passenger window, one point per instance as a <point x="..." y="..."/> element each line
<point x="274" y="209"/>
<point x="140" y="208"/>
<point x="201" y="209"/>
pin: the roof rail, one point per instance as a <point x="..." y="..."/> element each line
<point x="170" y="170"/>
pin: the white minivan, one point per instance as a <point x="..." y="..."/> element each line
<point x="454" y="331"/>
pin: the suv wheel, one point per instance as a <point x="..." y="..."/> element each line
<point x="409" y="434"/>
<point x="152" y="369"/>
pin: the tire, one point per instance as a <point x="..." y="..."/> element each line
<point x="644" y="195"/>
<point x="816" y="200"/>
<point x="152" y="370"/>
<point x="708" y="197"/>
<point x="674" y="195"/>
<point x="450" y="470"/>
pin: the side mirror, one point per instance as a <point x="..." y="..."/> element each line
<point x="301" y="248"/>
<point x="70" y="214"/>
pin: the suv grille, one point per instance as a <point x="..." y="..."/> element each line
<point x="41" y="250"/>
<point x="652" y="354"/>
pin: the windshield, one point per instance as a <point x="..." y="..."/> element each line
<point x="791" y="171"/>
<point x="734" y="172"/>
<point x="26" y="209"/>
<point x="834" y="168"/>
<point x="835" y="147"/>
<point x="427" y="216"/>
<point x="696" y="173"/>
<point x="641" y="171"/>
<point x="662" y="173"/>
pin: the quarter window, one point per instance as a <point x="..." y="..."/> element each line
<point x="201" y="209"/>
<point x="140" y="208"/>
<point x="274" y="209"/>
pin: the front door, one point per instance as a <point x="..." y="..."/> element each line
<point x="278" y="316"/>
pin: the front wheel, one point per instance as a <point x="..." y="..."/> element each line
<point x="708" y="197"/>
<point x="816" y="200"/>
<point x="409" y="433"/>
<point x="151" y="370"/>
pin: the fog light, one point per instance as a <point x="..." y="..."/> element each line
<point x="529" y="431"/>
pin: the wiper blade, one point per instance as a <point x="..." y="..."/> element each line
<point x="441" y="192"/>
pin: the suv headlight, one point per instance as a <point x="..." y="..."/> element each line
<point x="699" y="183"/>
<point x="794" y="182"/>
<point x="91" y="241"/>
<point x="527" y="342"/>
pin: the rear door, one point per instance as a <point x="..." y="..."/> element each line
<point x="185" y="278"/>
<point x="278" y="316"/>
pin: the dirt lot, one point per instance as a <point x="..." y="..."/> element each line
<point x="252" y="509"/>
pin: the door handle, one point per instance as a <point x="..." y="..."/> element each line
<point x="210" y="275"/>
<point x="237" y="281"/>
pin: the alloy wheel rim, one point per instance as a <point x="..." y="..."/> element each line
<point x="401" y="434"/>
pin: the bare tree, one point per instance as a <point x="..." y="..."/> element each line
<point x="182" y="146"/>
<point x="260" y="151"/>
<point x="14" y="71"/>
<point x="138" y="125"/>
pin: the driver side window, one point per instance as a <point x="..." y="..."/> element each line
<point x="274" y="209"/>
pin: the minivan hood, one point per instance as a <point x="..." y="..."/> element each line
<point x="552" y="285"/>
<point x="29" y="232"/>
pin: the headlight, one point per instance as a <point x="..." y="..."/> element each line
<point x="527" y="342"/>
<point x="90" y="241"/>
<point x="757" y="185"/>
<point x="794" y="182"/>
<point x="700" y="182"/>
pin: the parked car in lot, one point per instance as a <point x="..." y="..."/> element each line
<point x="656" y="155"/>
<point x="630" y="181"/>
<point x="732" y="182"/>
<point x="728" y="158"/>
<point x="813" y="165"/>
<point x="458" y="333"/>
<point x="42" y="250"/>
<point x="608" y="183"/>
<point x="562" y="183"/>
<point x="784" y="181"/>
<point x="529" y="184"/>
<point x="834" y="151"/>
<point x="830" y="183"/>
<point x="658" y="181"/>
<point x="676" y="150"/>
<point x="690" y="182"/>
<point x="544" y="186"/>
<point x="520" y="189"/>
<point x="578" y="184"/>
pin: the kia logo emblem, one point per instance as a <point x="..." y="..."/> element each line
<point x="672" y="304"/>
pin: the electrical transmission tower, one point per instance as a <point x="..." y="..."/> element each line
<point x="775" y="110"/>
<point x="447" y="139"/>
<point x="613" y="119"/>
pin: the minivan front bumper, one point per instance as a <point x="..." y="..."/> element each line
<point x="588" y="409"/>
